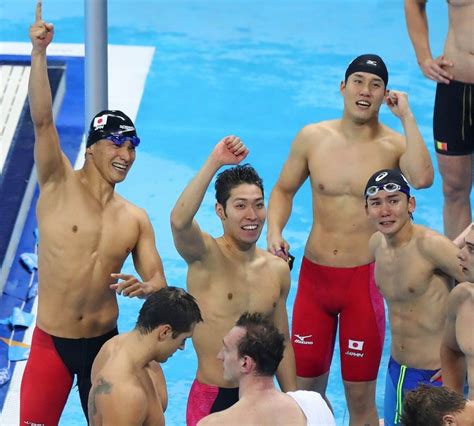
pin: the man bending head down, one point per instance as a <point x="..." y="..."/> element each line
<point x="127" y="367"/>
<point x="250" y="355"/>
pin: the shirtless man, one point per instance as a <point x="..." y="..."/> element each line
<point x="87" y="231"/>
<point x="427" y="405"/>
<point x="228" y="275"/>
<point x="335" y="278"/>
<point x="457" y="348"/>
<point x="250" y="355"/>
<point x="453" y="120"/>
<point x="414" y="267"/>
<point x="127" y="367"/>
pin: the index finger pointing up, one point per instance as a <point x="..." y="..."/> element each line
<point x="38" y="10"/>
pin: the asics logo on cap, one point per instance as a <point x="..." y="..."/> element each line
<point x="381" y="176"/>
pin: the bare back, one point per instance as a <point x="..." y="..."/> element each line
<point x="459" y="46"/>
<point x="81" y="243"/>
<point x="416" y="292"/>
<point x="275" y="409"/>
<point x="117" y="385"/>
<point x="339" y="169"/>
<point x="225" y="287"/>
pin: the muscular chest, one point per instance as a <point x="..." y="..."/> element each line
<point x="340" y="168"/>
<point x="74" y="224"/>
<point x="401" y="278"/>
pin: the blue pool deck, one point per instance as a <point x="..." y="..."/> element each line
<point x="192" y="72"/>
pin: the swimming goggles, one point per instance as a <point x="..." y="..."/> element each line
<point x="388" y="187"/>
<point x="119" y="139"/>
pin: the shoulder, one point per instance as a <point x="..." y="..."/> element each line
<point x="375" y="241"/>
<point x="459" y="294"/>
<point x="219" y="418"/>
<point x="275" y="263"/>
<point x="431" y="242"/>
<point x="314" y="132"/>
<point x="394" y="140"/>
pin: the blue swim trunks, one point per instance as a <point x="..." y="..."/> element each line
<point x="401" y="379"/>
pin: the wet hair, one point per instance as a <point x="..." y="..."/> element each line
<point x="262" y="342"/>
<point x="169" y="305"/>
<point x="426" y="405"/>
<point x="235" y="176"/>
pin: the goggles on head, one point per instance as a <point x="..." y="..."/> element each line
<point x="119" y="139"/>
<point x="388" y="187"/>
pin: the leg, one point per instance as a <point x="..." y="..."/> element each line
<point x="317" y="384"/>
<point x="46" y="383"/>
<point x="456" y="171"/>
<point x="361" y="334"/>
<point x="360" y="398"/>
<point x="200" y="401"/>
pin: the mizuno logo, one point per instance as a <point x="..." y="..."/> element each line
<point x="370" y="62"/>
<point x="302" y="339"/>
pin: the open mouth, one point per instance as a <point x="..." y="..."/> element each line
<point x="119" y="166"/>
<point x="250" y="227"/>
<point x="387" y="222"/>
<point x="363" y="104"/>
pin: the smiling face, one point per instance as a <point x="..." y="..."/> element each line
<point x="112" y="161"/>
<point x="244" y="214"/>
<point x="466" y="256"/>
<point x="389" y="211"/>
<point x="363" y="95"/>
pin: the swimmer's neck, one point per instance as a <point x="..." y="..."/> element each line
<point x="101" y="189"/>
<point x="139" y="349"/>
<point x="355" y="131"/>
<point x="243" y="251"/>
<point x="252" y="386"/>
<point x="402" y="237"/>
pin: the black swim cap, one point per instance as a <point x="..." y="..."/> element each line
<point x="370" y="63"/>
<point x="387" y="177"/>
<point x="109" y="122"/>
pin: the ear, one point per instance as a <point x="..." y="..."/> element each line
<point x="448" y="419"/>
<point x="220" y="211"/>
<point x="164" y="332"/>
<point x="411" y="205"/>
<point x="247" y="364"/>
<point x="342" y="87"/>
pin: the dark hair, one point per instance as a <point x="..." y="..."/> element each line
<point x="235" y="176"/>
<point x="262" y="342"/>
<point x="169" y="305"/>
<point x="426" y="405"/>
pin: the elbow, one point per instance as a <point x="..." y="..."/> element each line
<point x="175" y="222"/>
<point x="425" y="180"/>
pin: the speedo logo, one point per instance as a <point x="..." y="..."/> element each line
<point x="301" y="340"/>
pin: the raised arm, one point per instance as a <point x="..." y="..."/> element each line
<point x="453" y="363"/>
<point x="417" y="24"/>
<point x="294" y="173"/>
<point x="187" y="235"/>
<point x="286" y="373"/>
<point x="415" y="163"/>
<point x="48" y="156"/>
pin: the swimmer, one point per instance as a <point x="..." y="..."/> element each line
<point x="453" y="118"/>
<point x="335" y="283"/>
<point x="228" y="275"/>
<point x="427" y="405"/>
<point x="457" y="347"/>
<point x="87" y="231"/>
<point x="250" y="355"/>
<point x="128" y="385"/>
<point x="414" y="267"/>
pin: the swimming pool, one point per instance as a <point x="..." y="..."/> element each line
<point x="258" y="69"/>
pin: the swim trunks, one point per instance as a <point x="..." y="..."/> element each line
<point x="49" y="374"/>
<point x="314" y="408"/>
<point x="401" y="379"/>
<point x="325" y="295"/>
<point x="453" y="118"/>
<point x="206" y="399"/>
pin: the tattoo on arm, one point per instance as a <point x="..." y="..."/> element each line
<point x="102" y="387"/>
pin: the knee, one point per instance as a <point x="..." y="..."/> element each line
<point x="456" y="190"/>
<point x="360" y="399"/>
